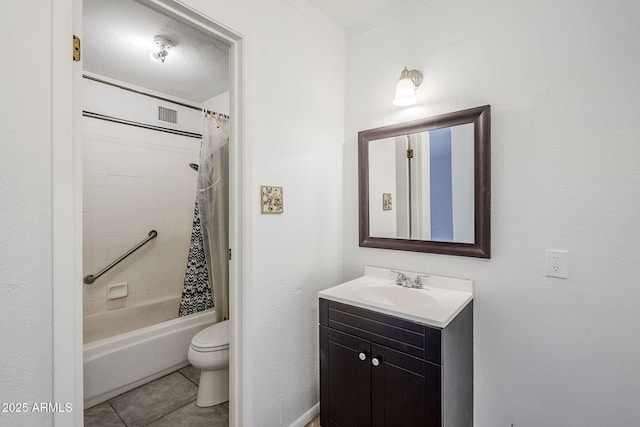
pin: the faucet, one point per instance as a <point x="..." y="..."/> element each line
<point x="406" y="282"/>
<point x="417" y="283"/>
<point x="402" y="279"/>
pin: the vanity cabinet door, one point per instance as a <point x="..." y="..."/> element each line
<point x="367" y="384"/>
<point x="347" y="384"/>
<point x="413" y="375"/>
<point x="405" y="390"/>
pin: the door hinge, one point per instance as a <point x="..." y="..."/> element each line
<point x="229" y="254"/>
<point x="76" y="48"/>
<point x="409" y="153"/>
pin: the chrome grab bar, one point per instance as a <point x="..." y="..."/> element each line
<point x="92" y="278"/>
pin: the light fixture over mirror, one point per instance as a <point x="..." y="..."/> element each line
<point x="162" y="49"/>
<point x="406" y="87"/>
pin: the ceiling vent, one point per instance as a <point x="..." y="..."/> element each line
<point x="167" y="115"/>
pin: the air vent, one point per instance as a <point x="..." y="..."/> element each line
<point x="167" y="115"/>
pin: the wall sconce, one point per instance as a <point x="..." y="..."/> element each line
<point x="163" y="45"/>
<point x="406" y="87"/>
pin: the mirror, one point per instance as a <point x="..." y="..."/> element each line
<point x="424" y="185"/>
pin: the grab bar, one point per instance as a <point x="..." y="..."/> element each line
<point x="92" y="278"/>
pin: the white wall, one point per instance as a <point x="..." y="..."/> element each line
<point x="297" y="116"/>
<point x="562" y="80"/>
<point x="112" y="101"/>
<point x="25" y="226"/>
<point x="294" y="84"/>
<point x="219" y="103"/>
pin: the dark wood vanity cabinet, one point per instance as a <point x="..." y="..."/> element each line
<point x="378" y="370"/>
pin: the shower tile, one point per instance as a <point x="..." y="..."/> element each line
<point x="87" y="307"/>
<point x="102" y="415"/>
<point x="192" y="373"/>
<point x="156" y="293"/>
<point x="116" y="303"/>
<point x="192" y="416"/>
<point x="98" y="305"/>
<point x="154" y="400"/>
<point x="96" y="291"/>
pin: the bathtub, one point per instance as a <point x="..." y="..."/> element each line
<point x="113" y="365"/>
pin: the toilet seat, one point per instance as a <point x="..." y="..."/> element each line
<point x="212" y="338"/>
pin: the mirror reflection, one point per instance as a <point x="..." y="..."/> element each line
<point x="422" y="187"/>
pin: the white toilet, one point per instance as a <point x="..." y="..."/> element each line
<point x="209" y="351"/>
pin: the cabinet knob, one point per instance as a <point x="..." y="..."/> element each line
<point x="362" y="356"/>
<point x="375" y="361"/>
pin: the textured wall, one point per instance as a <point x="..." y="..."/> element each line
<point x="562" y="79"/>
<point x="25" y="191"/>
<point x="297" y="97"/>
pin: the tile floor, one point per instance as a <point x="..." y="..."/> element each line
<point x="169" y="401"/>
<point x="314" y="422"/>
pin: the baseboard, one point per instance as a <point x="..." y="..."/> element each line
<point x="307" y="416"/>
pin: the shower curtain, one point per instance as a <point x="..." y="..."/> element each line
<point x="196" y="292"/>
<point x="212" y="208"/>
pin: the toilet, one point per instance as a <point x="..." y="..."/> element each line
<point x="209" y="351"/>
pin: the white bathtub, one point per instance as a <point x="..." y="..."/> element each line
<point x="122" y="362"/>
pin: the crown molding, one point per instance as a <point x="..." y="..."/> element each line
<point x="397" y="13"/>
<point x="318" y="17"/>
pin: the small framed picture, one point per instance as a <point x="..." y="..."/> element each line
<point x="386" y="202"/>
<point x="271" y="200"/>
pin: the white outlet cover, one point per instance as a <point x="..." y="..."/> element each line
<point x="557" y="263"/>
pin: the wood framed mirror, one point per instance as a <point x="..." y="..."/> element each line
<point x="425" y="185"/>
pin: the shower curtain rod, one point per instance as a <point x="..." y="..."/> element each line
<point x="182" y="104"/>
<point x="140" y="125"/>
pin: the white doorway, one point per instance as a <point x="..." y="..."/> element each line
<point x="67" y="206"/>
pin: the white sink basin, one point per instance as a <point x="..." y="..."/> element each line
<point x="395" y="296"/>
<point x="436" y="304"/>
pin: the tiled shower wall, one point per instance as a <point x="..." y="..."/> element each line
<point x="136" y="180"/>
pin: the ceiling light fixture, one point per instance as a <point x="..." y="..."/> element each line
<point x="162" y="49"/>
<point x="406" y="87"/>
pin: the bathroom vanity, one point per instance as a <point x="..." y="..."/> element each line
<point x="394" y="354"/>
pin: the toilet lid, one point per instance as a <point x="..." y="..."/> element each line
<point x="212" y="338"/>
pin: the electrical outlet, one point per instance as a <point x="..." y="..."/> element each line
<point x="557" y="264"/>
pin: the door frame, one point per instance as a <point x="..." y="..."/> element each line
<point x="66" y="174"/>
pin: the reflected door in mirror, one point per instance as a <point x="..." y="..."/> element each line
<point x="429" y="178"/>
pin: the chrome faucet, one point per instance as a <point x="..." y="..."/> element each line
<point x="402" y="279"/>
<point x="417" y="283"/>
<point x="406" y="282"/>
